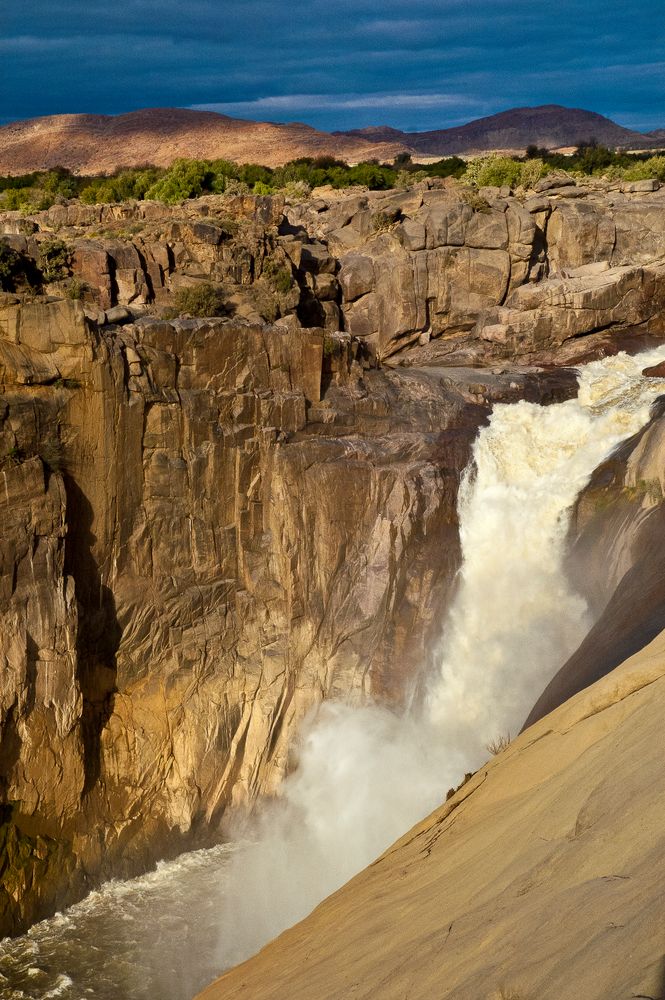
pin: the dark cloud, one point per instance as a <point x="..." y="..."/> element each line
<point x="425" y="64"/>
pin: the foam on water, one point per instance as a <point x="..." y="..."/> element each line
<point x="153" y="936"/>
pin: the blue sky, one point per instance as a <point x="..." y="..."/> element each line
<point x="413" y="64"/>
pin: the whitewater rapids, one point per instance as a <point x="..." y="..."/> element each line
<point x="365" y="775"/>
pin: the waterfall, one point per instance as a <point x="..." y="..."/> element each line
<point x="515" y="618"/>
<point x="366" y="775"/>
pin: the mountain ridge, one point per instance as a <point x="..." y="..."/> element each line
<point x="549" y="125"/>
<point x="98" y="143"/>
<point x="92" y="143"/>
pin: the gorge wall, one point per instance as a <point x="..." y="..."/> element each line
<point x="194" y="551"/>
<point x="211" y="525"/>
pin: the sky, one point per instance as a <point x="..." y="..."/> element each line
<point x="412" y="64"/>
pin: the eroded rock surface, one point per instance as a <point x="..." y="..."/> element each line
<point x="542" y="876"/>
<point x="197" y="548"/>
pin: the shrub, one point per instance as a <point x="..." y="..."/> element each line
<point x="497" y="745"/>
<point x="17" y="269"/>
<point x="10" y="267"/>
<point x="297" y="190"/>
<point x="372" y="175"/>
<point x="76" y="289"/>
<point x="532" y="171"/>
<point x="202" y="300"/>
<point x="54" y="260"/>
<point x="236" y="187"/>
<point x="279" y="276"/>
<point x="183" y="179"/>
<point x="451" y="166"/>
<point x="493" y="171"/>
<point x="475" y="200"/>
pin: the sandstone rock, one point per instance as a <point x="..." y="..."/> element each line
<point x="553" y="181"/>
<point x="118" y="314"/>
<point x="562" y="832"/>
<point x="537" y="205"/>
<point x="640" y="187"/>
<point x="655" y="371"/>
<point x="356" y="276"/>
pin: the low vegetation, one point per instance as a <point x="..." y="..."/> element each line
<point x="192" y="178"/>
<point x="201" y="301"/>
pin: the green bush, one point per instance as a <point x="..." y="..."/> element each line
<point x="493" y="171"/>
<point x="184" y="179"/>
<point x="503" y="171"/>
<point x="54" y="260"/>
<point x="202" y="301"/>
<point x="10" y="267"/>
<point x="279" y="276"/>
<point x="17" y="270"/>
<point x="76" y="289"/>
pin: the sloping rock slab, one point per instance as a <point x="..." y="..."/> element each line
<point x="542" y="877"/>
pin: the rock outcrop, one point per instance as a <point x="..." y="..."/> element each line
<point x="489" y="277"/>
<point x="211" y="525"/>
<point x="434" y="274"/>
<point x="543" y="876"/>
<point x="616" y="560"/>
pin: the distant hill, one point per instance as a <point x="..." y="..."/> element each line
<point x="550" y="125"/>
<point x="102" y="143"/>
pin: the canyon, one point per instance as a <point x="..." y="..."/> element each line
<point x="212" y="525"/>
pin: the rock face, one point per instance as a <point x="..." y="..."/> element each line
<point x="616" y="558"/>
<point x="196" y="548"/>
<point x="493" y="278"/>
<point x="543" y="876"/>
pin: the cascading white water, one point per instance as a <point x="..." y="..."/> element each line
<point x="515" y="618"/>
<point x="365" y="775"/>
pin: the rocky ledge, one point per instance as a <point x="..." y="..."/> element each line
<point x="436" y="272"/>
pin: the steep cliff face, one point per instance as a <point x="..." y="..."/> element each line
<point x="196" y="549"/>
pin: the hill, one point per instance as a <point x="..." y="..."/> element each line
<point x="550" y="125"/>
<point x="102" y="143"/>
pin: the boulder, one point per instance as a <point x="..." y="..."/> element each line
<point x="655" y="371"/>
